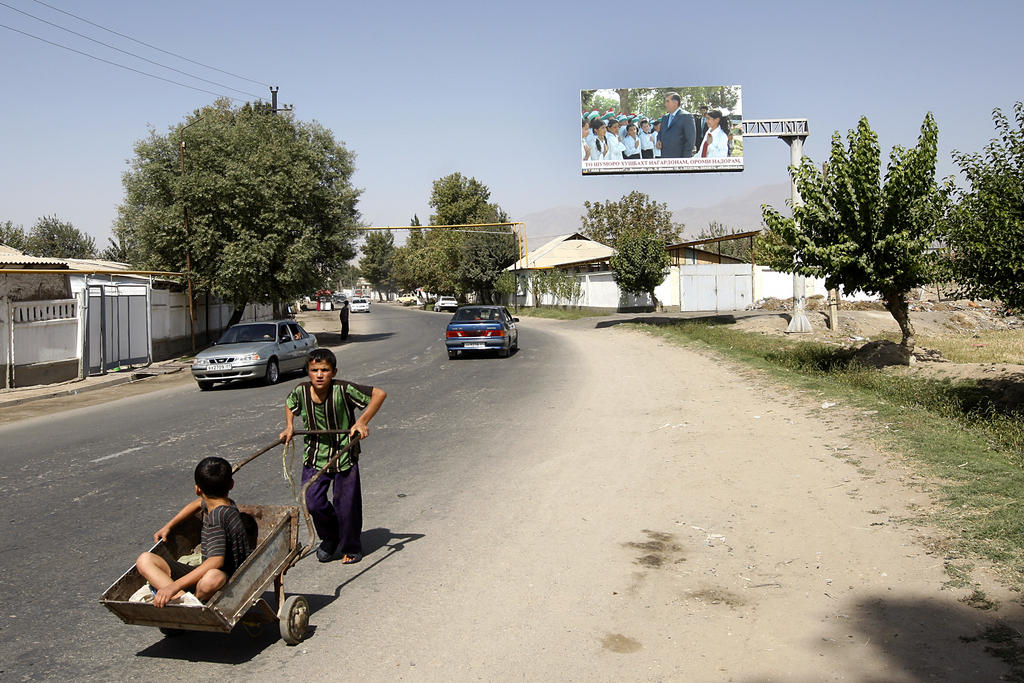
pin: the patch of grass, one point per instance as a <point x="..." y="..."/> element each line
<point x="956" y="431"/>
<point x="959" y="575"/>
<point x="556" y="313"/>
<point x="986" y="346"/>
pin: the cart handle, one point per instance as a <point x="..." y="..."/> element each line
<point x="297" y="432"/>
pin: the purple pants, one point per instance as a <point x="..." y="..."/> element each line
<point x="338" y="521"/>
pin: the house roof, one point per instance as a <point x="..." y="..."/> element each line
<point x="91" y="264"/>
<point x="712" y="240"/>
<point x="9" y="256"/>
<point x="564" y="250"/>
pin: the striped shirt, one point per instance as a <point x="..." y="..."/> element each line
<point x="223" y="535"/>
<point x="337" y="412"/>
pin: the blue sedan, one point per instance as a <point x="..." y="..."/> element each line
<point x="482" y="328"/>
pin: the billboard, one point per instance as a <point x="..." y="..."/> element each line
<point x="682" y="129"/>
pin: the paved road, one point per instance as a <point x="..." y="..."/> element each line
<point x="81" y="492"/>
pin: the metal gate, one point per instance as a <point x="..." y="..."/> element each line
<point x="117" y="331"/>
<point x="715" y="287"/>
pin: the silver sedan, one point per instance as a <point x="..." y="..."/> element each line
<point x="253" y="351"/>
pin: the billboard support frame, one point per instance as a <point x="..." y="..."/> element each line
<point x="793" y="132"/>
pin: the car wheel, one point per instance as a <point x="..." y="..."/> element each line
<point x="273" y="371"/>
<point x="503" y="353"/>
<point x="452" y="355"/>
<point x="204" y="386"/>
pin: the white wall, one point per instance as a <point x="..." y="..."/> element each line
<point x="598" y="289"/>
<point x="771" y="284"/>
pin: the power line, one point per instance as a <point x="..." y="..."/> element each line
<point x="154" y="47"/>
<point x="132" y="54"/>
<point x="122" y="66"/>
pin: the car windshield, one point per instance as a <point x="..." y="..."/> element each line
<point x="474" y="313"/>
<point x="249" y="333"/>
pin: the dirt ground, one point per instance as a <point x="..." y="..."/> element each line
<point x="728" y="528"/>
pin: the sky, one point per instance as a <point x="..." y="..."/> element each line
<point x="420" y="90"/>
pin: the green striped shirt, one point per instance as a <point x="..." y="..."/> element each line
<point x="345" y="398"/>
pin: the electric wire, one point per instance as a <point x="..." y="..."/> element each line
<point x="122" y="66"/>
<point x="131" y="54"/>
<point x="153" y="47"/>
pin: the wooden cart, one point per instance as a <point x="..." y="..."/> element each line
<point x="276" y="551"/>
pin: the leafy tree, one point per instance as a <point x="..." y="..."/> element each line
<point x="13" y="236"/>
<point x="119" y="251"/>
<point x="484" y="257"/>
<point x="348" y="275"/>
<point x="986" y="227"/>
<point x="465" y="261"/>
<point x="458" y="200"/>
<point x="53" y="237"/>
<point x="378" y="258"/>
<point x="271" y="211"/>
<point x="605" y="221"/>
<point x="639" y="262"/>
<point x="858" y="230"/>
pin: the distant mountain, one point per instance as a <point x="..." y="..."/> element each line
<point x="740" y="213"/>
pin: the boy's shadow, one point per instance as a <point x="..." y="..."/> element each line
<point x="245" y="641"/>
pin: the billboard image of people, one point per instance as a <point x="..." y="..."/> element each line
<point x="681" y="129"/>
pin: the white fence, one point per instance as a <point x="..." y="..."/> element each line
<point x="47" y="339"/>
<point x="691" y="287"/>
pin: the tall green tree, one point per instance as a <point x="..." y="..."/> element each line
<point x="378" y="259"/>
<point x="469" y="260"/>
<point x="14" y="236"/>
<point x="53" y="237"/>
<point x="635" y="212"/>
<point x="270" y="204"/>
<point x="639" y="263"/>
<point x="484" y="257"/>
<point x="986" y="226"/>
<point x="859" y="230"/>
<point x="458" y="200"/>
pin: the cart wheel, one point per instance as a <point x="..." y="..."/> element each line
<point x="172" y="632"/>
<point x="294" y="619"/>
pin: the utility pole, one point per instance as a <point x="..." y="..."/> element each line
<point x="273" y="101"/>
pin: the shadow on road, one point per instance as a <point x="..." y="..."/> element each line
<point x="709" y="318"/>
<point x="928" y="639"/>
<point x="334" y="338"/>
<point x="374" y="540"/>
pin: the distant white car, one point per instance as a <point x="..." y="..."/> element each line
<point x="359" y="304"/>
<point x="446" y="303"/>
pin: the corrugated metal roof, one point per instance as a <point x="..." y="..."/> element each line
<point x="95" y="264"/>
<point x="562" y="251"/>
<point x="9" y="256"/>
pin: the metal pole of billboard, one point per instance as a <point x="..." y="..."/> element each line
<point x="798" y="323"/>
<point x="793" y="132"/>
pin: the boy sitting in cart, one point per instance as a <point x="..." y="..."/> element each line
<point x="329" y="404"/>
<point x="225" y="542"/>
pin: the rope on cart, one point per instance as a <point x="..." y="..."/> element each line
<point x="288" y="465"/>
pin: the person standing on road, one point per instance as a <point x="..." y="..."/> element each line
<point x="329" y="404"/>
<point x="343" y="316"/>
